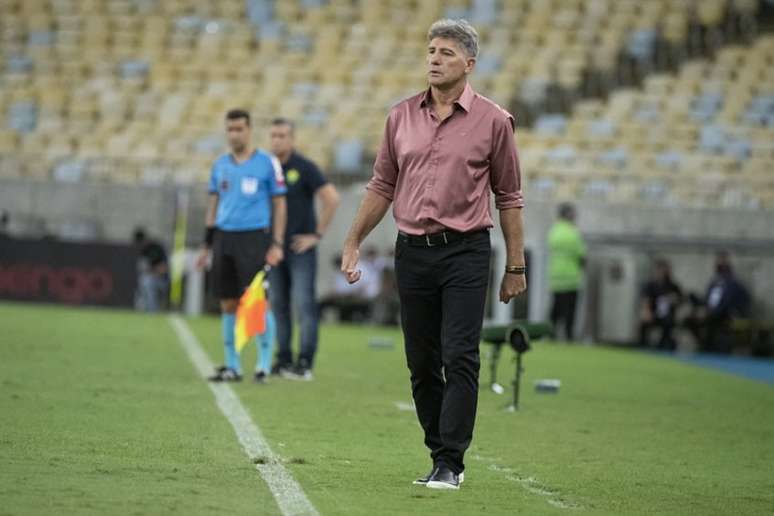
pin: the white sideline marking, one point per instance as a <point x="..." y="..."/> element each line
<point x="286" y="491"/>
<point x="530" y="484"/>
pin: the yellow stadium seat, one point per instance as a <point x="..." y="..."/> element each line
<point x="9" y="141"/>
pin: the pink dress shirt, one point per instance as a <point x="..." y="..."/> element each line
<point x="438" y="174"/>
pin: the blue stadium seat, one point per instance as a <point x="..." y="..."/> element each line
<point x="348" y="156"/>
<point x="551" y="124"/>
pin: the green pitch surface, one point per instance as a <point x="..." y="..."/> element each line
<point x="102" y="413"/>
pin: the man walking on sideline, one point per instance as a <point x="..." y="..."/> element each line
<point x="443" y="150"/>
<point x="293" y="282"/>
<point x="245" y="223"/>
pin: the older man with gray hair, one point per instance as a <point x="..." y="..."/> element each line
<point x="443" y="151"/>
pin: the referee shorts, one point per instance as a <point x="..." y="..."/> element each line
<point x="237" y="256"/>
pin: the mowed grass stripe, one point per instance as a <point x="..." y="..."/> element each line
<point x="288" y="494"/>
<point x="103" y="414"/>
<point x="627" y="434"/>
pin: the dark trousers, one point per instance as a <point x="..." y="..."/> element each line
<point x="293" y="292"/>
<point x="666" y="325"/>
<point x="442" y="293"/>
<point x="563" y="310"/>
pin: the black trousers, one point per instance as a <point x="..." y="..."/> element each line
<point x="442" y="293"/>
<point x="563" y="310"/>
<point x="666" y="325"/>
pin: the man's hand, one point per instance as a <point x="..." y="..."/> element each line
<point x="302" y="243"/>
<point x="274" y="255"/>
<point x="349" y="258"/>
<point x="511" y="286"/>
<point x="202" y="258"/>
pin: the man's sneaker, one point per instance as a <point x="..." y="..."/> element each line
<point x="225" y="374"/>
<point x="443" y="478"/>
<point x="424" y="480"/>
<point x="303" y="375"/>
<point x="219" y="370"/>
<point x="300" y="373"/>
<point x="279" y="369"/>
<point x="261" y="377"/>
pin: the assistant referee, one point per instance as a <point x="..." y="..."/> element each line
<point x="246" y="218"/>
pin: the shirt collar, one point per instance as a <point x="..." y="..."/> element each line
<point x="233" y="160"/>
<point x="292" y="156"/>
<point x="465" y="100"/>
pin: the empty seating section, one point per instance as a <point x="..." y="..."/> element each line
<point x="704" y="136"/>
<point x="134" y="90"/>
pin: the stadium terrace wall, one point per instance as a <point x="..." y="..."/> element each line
<point x="688" y="236"/>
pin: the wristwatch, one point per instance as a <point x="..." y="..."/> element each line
<point x="516" y="269"/>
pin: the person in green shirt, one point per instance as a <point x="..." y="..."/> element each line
<point x="565" y="268"/>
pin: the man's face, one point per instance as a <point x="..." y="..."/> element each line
<point x="281" y="139"/>
<point x="447" y="63"/>
<point x="238" y="134"/>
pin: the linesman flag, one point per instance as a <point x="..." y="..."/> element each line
<point x="251" y="312"/>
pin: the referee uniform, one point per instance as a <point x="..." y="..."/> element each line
<point x="243" y="227"/>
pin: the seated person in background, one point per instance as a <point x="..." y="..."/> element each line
<point x="372" y="266"/>
<point x="152" y="273"/>
<point x="660" y="298"/>
<point x="4" y="219"/>
<point x="386" y="305"/>
<point x="726" y="299"/>
<point x="351" y="302"/>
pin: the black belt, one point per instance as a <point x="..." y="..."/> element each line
<point x="437" y="239"/>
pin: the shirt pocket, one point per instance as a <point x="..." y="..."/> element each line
<point x="470" y="148"/>
<point x="477" y="159"/>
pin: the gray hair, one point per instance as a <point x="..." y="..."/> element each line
<point x="458" y="30"/>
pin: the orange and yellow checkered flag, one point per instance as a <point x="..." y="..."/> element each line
<point x="251" y="312"/>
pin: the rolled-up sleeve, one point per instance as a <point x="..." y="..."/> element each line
<point x="504" y="172"/>
<point x="386" y="166"/>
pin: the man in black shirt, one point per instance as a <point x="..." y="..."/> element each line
<point x="293" y="281"/>
<point x="726" y="299"/>
<point x="660" y="298"/>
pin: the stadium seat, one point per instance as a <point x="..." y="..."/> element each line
<point x="145" y="74"/>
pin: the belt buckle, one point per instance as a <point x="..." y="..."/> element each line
<point x="430" y="244"/>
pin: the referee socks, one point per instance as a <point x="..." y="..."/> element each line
<point x="231" y="356"/>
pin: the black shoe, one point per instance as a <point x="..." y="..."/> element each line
<point x="219" y="370"/>
<point x="225" y="374"/>
<point x="261" y="377"/>
<point x="443" y="478"/>
<point x="299" y="372"/>
<point x="281" y="369"/>
<point x="424" y="480"/>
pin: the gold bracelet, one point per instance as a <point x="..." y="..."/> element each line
<point x="516" y="269"/>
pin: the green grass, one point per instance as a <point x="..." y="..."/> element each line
<point x="102" y="413"/>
